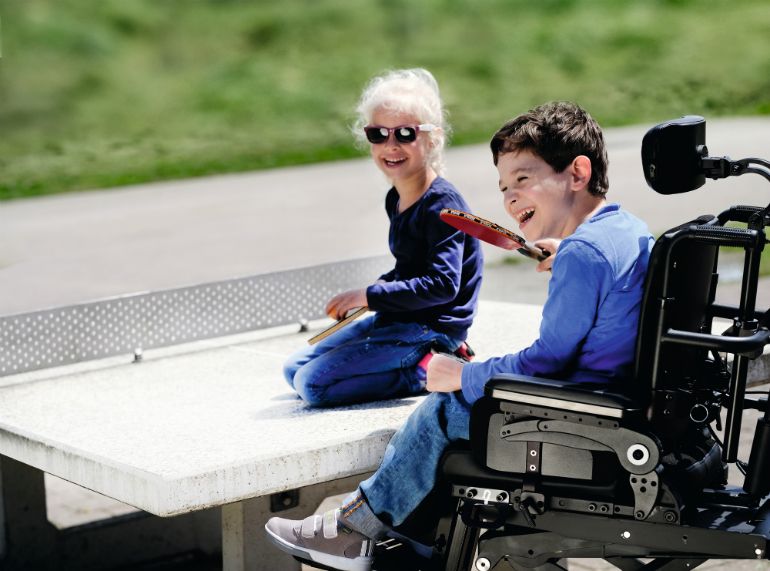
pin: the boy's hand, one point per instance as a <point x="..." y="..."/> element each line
<point x="444" y="374"/>
<point x="550" y="245"/>
<point x="340" y="304"/>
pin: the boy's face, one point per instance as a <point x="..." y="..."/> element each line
<point x="535" y="195"/>
<point x="399" y="161"/>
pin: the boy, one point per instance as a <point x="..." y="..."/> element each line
<point x="553" y="178"/>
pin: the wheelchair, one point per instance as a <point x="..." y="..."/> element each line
<point x="632" y="474"/>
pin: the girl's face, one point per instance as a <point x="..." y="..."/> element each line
<point x="400" y="161"/>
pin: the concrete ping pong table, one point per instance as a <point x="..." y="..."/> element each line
<point x="152" y="401"/>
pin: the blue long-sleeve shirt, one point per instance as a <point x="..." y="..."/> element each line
<point x="438" y="269"/>
<point x="591" y="315"/>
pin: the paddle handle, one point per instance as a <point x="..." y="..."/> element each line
<point x="533" y="252"/>
<point x="337" y="325"/>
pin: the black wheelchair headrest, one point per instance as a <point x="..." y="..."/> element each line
<point x="672" y="153"/>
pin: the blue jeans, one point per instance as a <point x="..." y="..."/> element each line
<point x="370" y="359"/>
<point x="409" y="468"/>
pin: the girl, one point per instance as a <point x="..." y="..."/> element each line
<point x="428" y="300"/>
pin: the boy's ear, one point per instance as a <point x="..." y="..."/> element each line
<point x="581" y="172"/>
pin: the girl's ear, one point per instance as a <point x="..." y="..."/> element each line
<point x="581" y="172"/>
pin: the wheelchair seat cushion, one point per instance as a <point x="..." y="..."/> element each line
<point x="602" y="399"/>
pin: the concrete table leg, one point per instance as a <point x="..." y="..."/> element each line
<point x="244" y="544"/>
<point x="31" y="539"/>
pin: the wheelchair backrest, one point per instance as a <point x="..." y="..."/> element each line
<point x="679" y="289"/>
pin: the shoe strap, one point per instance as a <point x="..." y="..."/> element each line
<point x="311" y="526"/>
<point x="330" y="524"/>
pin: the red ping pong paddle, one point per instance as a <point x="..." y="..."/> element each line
<point x="491" y="233"/>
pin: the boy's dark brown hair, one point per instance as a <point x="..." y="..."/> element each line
<point x="557" y="132"/>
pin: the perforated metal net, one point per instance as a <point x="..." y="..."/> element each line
<point x="123" y="325"/>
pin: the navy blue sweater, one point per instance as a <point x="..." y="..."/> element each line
<point x="438" y="269"/>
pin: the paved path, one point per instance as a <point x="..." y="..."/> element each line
<point x="64" y="249"/>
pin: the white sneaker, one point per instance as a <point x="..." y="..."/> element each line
<point x="323" y="540"/>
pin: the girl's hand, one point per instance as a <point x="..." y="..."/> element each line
<point x="340" y="304"/>
<point x="550" y="245"/>
<point x="444" y="374"/>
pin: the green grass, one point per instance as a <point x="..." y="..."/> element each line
<point x="99" y="94"/>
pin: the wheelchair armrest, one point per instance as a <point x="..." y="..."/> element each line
<point x="601" y="399"/>
<point x="750" y="346"/>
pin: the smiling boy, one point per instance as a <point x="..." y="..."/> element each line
<point x="553" y="178"/>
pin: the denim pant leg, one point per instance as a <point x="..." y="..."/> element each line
<point x="371" y="363"/>
<point x="356" y="330"/>
<point x="409" y="468"/>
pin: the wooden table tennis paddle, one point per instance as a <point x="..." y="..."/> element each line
<point x="337" y="325"/>
<point x="491" y="233"/>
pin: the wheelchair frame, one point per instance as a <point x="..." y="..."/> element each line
<point x="559" y="471"/>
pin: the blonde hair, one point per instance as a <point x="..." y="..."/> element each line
<point x="409" y="91"/>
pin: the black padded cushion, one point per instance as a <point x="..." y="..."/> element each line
<point x="599" y="394"/>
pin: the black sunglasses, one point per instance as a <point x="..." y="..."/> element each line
<point x="404" y="134"/>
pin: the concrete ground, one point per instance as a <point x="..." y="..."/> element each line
<point x="82" y="246"/>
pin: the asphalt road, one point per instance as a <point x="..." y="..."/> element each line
<point x="82" y="246"/>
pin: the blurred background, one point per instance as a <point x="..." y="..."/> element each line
<point x="211" y="127"/>
<point x="100" y="94"/>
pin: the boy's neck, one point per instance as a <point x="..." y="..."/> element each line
<point x="411" y="190"/>
<point x="586" y="208"/>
